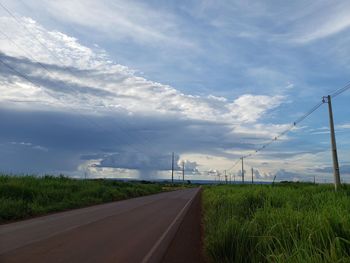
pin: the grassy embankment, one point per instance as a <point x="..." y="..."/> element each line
<point x="281" y="223"/>
<point x="27" y="196"/>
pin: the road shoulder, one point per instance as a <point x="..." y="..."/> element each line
<point x="187" y="243"/>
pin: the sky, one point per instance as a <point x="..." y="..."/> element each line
<point x="111" y="88"/>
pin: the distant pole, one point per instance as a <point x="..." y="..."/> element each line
<point x="225" y="177"/>
<point x="334" y="145"/>
<point x="242" y="171"/>
<point x="172" y="168"/>
<point x="274" y="178"/>
<point x="314" y="180"/>
<point x="234" y="178"/>
<point x="252" y="175"/>
<point x="230" y="178"/>
<point x="183" y="171"/>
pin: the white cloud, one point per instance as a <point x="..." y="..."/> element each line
<point x="123" y="89"/>
<point x="189" y="166"/>
<point x="249" y="108"/>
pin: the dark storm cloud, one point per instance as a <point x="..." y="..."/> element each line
<point x="138" y="142"/>
<point x="139" y="161"/>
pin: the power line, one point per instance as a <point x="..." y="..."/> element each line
<point x="308" y="113"/>
<point x="340" y="91"/>
<point x="234" y="165"/>
<point x="296" y="122"/>
<point x="264" y="146"/>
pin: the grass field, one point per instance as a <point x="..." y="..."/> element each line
<point x="27" y="196"/>
<point x="281" y="223"/>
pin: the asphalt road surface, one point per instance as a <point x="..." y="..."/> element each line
<point x="124" y="231"/>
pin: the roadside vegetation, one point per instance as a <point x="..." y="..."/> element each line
<point x="27" y="196"/>
<point x="280" y="223"/>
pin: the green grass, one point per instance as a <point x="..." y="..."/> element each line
<point x="281" y="223"/>
<point x="26" y="196"/>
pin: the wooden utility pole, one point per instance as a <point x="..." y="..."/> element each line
<point x="225" y="177"/>
<point x="252" y="175"/>
<point x="242" y="171"/>
<point x="274" y="178"/>
<point x="172" y="168"/>
<point x="334" y="144"/>
<point x="183" y="171"/>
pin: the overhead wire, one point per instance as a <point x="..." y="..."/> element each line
<point x="279" y="135"/>
<point x="340" y="91"/>
<point x="295" y="123"/>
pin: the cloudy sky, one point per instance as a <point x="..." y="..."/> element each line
<point x="111" y="88"/>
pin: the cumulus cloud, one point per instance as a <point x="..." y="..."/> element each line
<point x="249" y="108"/>
<point x="190" y="167"/>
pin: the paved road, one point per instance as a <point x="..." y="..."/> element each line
<point x="122" y="231"/>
